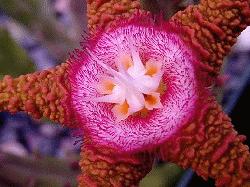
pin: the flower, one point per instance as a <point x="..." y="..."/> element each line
<point x="205" y="140"/>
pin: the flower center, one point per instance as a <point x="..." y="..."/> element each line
<point x="134" y="87"/>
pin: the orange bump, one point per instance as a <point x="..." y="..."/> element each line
<point x="152" y="68"/>
<point x="123" y="108"/>
<point x="106" y="86"/>
<point x="127" y="61"/>
<point x="150" y="99"/>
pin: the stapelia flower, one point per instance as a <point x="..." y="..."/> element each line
<point x="139" y="89"/>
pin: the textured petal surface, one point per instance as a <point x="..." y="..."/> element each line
<point x="41" y="94"/>
<point x="213" y="26"/>
<point x="211" y="147"/>
<point x="102" y="12"/>
<point x="179" y="75"/>
<point x="102" y="168"/>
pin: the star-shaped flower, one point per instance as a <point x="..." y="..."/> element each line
<point x="139" y="89"/>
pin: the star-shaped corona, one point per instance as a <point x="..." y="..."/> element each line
<point x="133" y="87"/>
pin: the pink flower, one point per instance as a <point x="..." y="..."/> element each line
<point x="135" y="85"/>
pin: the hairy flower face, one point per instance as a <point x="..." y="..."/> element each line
<point x="135" y="86"/>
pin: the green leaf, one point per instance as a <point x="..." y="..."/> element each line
<point x="13" y="59"/>
<point x="163" y="175"/>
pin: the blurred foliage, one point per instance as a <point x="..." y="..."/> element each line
<point x="163" y="175"/>
<point x="23" y="12"/>
<point x="37" y="17"/>
<point x="13" y="59"/>
<point x="18" y="171"/>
